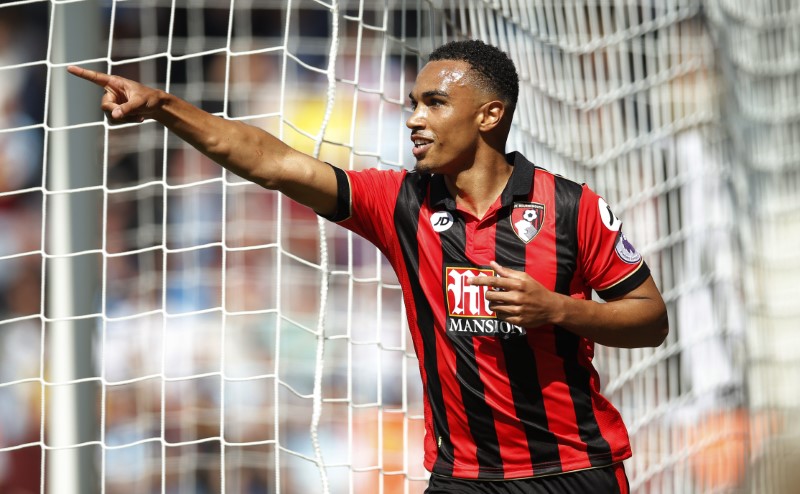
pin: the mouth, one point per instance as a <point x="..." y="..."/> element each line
<point x="421" y="146"/>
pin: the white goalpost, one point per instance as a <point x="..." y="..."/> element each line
<point x="166" y="326"/>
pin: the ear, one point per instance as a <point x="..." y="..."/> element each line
<point x="491" y="114"/>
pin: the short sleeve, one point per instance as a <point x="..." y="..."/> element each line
<point x="611" y="264"/>
<point x="366" y="201"/>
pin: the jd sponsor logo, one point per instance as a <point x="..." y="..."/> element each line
<point x="441" y="221"/>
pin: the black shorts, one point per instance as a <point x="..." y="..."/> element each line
<point x="605" y="480"/>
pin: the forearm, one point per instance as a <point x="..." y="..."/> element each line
<point x="251" y="153"/>
<point x="637" y="319"/>
<point x="245" y="150"/>
<point x="630" y="322"/>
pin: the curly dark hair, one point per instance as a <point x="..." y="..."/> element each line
<point x="494" y="68"/>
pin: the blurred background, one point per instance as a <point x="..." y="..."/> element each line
<point x="168" y="327"/>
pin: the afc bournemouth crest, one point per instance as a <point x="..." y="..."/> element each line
<point x="527" y="219"/>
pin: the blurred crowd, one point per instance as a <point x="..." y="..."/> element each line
<point x="23" y="38"/>
<point x="210" y="285"/>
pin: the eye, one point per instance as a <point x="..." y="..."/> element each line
<point x="413" y="105"/>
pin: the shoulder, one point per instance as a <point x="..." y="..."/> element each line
<point x="566" y="190"/>
<point x="562" y="180"/>
<point x="368" y="180"/>
<point x="380" y="173"/>
<point x="364" y="190"/>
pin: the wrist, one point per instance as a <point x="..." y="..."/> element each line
<point x="164" y="110"/>
<point x="559" y="308"/>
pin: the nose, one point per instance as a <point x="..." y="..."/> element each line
<point x="415" y="121"/>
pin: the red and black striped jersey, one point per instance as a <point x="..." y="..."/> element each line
<point x="501" y="401"/>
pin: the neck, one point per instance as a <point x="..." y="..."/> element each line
<point x="477" y="187"/>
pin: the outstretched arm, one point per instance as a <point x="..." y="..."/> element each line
<point x="247" y="151"/>
<point x="637" y="319"/>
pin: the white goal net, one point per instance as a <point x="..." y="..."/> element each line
<point x="167" y="327"/>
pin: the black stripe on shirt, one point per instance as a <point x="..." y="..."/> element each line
<point x="521" y="366"/>
<point x="473" y="394"/>
<point x="406" y="221"/>
<point x="567" y="202"/>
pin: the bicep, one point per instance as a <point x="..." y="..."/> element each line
<point x="645" y="304"/>
<point x="310" y="182"/>
<point x="647" y="290"/>
<point x="641" y="315"/>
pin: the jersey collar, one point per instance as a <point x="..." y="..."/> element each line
<point x="520" y="184"/>
<point x="518" y="187"/>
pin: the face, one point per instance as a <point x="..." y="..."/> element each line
<point x="446" y="117"/>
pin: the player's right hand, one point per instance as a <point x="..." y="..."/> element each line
<point x="125" y="101"/>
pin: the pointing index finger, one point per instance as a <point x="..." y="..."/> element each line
<point x="98" y="78"/>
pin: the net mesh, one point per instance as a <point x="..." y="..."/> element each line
<point x="238" y="344"/>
